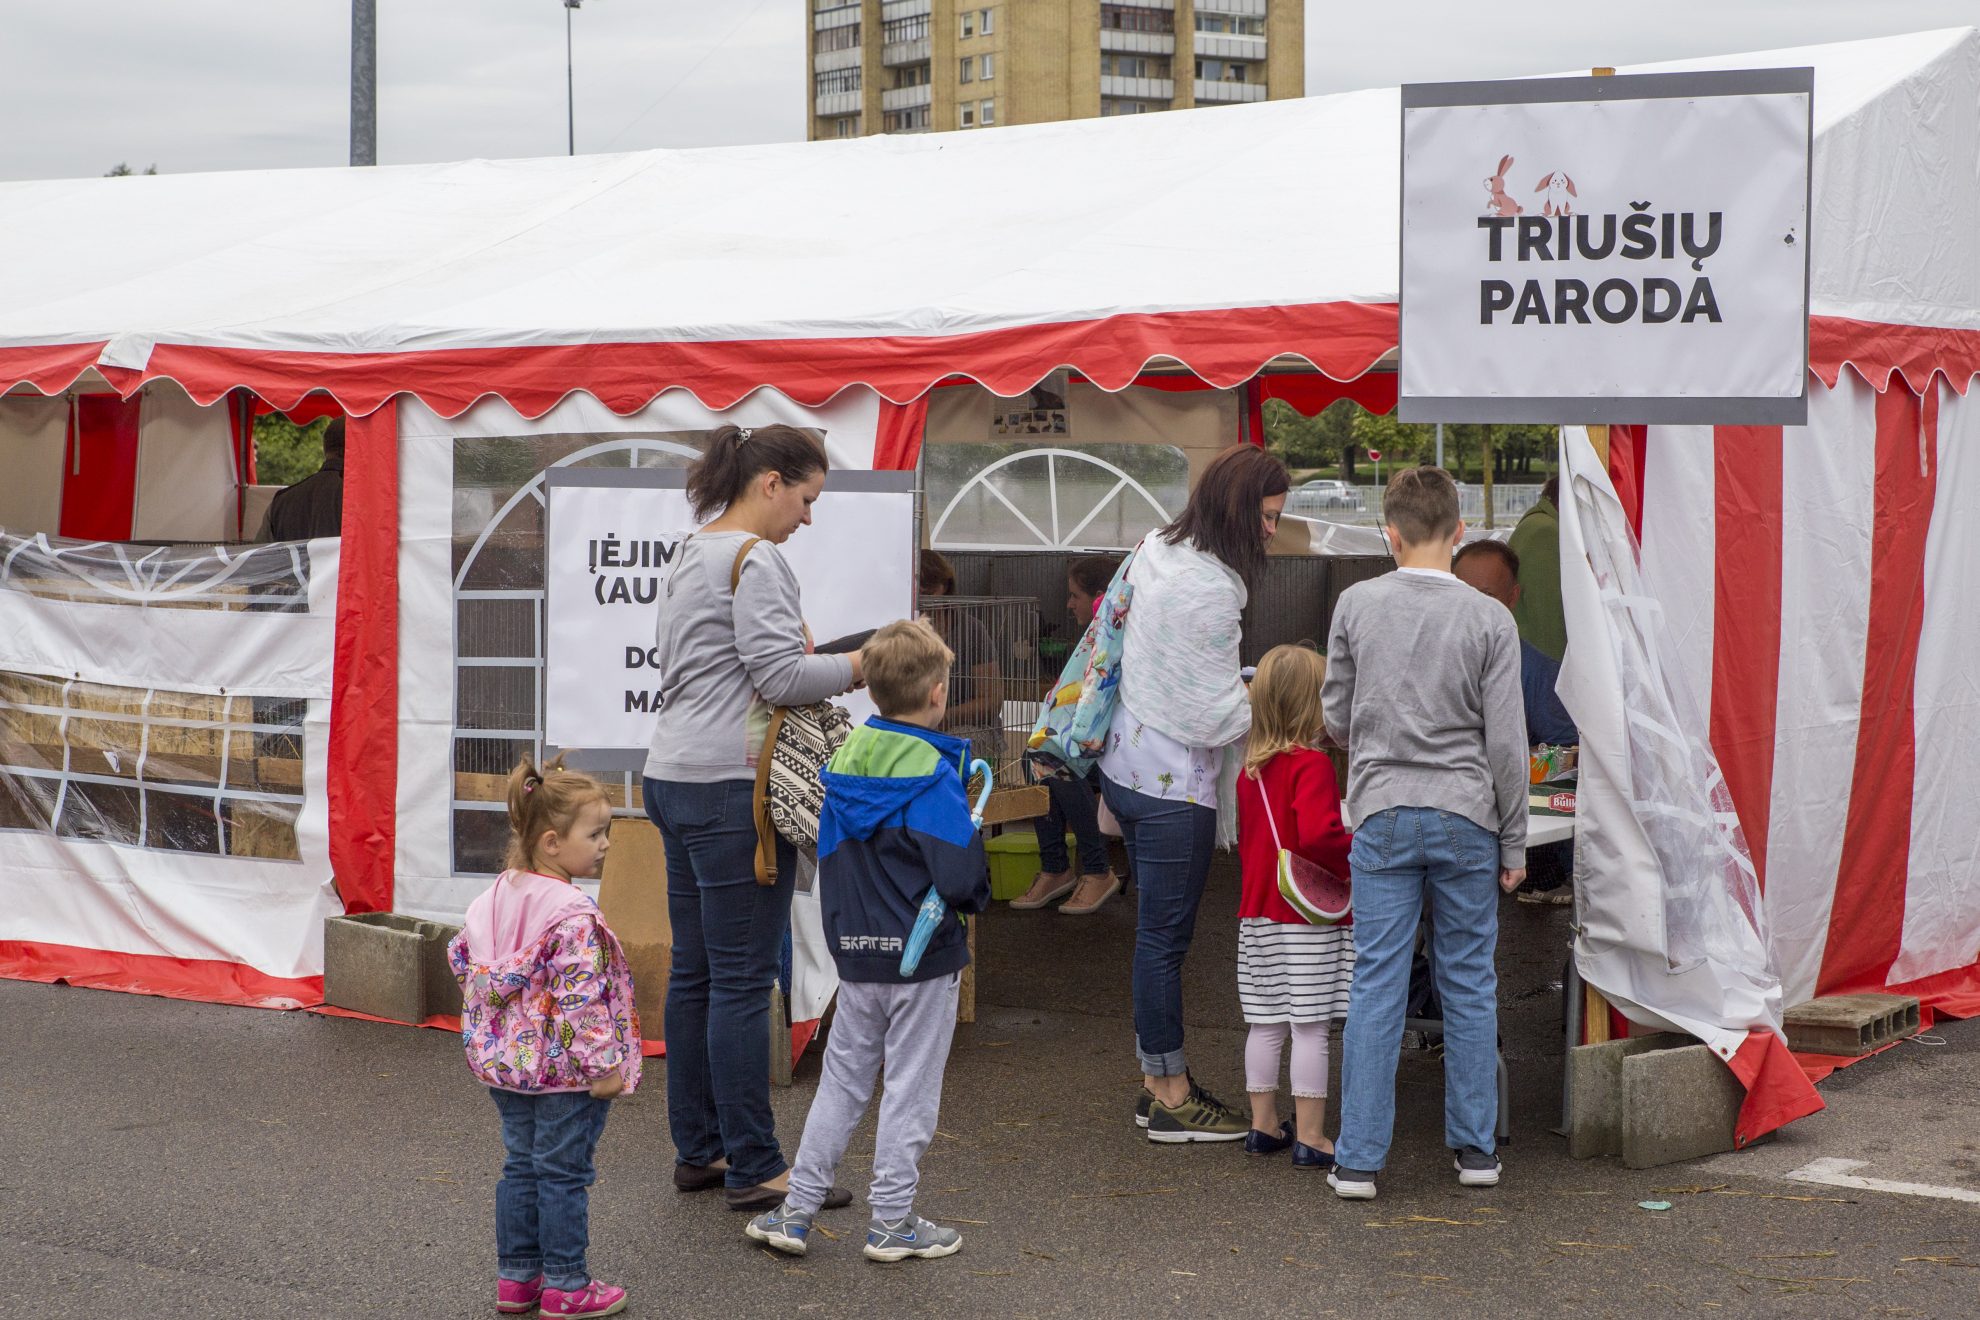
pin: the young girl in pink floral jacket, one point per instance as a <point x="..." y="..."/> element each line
<point x="548" y="1022"/>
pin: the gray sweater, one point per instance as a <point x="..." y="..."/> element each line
<point x="720" y="653"/>
<point x="1423" y="690"/>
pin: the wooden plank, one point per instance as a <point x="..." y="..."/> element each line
<point x="1013" y="804"/>
<point x="1594" y="1016"/>
<point x="966" y="996"/>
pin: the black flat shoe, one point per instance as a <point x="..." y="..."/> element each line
<point x="1262" y="1143"/>
<point x="1311" y="1157"/>
<point x="698" y="1177"/>
<point x="769" y="1198"/>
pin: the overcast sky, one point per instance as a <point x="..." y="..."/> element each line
<point x="234" y="84"/>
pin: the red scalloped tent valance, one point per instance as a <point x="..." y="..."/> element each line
<point x="1223" y="348"/>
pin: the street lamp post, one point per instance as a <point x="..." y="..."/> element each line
<point x="570" y="84"/>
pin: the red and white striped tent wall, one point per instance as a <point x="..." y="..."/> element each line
<point x="1818" y="568"/>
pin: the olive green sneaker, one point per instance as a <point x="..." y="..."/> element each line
<point x="1200" y="1117"/>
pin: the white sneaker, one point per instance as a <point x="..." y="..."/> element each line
<point x="1351" y="1184"/>
<point x="1476" y="1169"/>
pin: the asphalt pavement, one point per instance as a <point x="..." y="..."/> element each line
<point x="162" y="1159"/>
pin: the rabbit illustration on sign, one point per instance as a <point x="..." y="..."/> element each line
<point x="1502" y="202"/>
<point x="1559" y="188"/>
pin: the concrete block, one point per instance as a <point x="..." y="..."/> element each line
<point x="1850" y="1024"/>
<point x="389" y="966"/>
<point x="1595" y="1095"/>
<point x="1677" y="1104"/>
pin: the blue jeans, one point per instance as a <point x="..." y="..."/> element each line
<point x="728" y="942"/>
<point x="1169" y="845"/>
<point x="542" y="1203"/>
<point x="1400" y="858"/>
<point x="1073" y="808"/>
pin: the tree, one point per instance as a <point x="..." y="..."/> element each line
<point x="285" y="453"/>
<point x="123" y="171"/>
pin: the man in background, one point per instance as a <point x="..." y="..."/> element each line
<point x="314" y="506"/>
<point x="1536" y="542"/>
<point x="1493" y="568"/>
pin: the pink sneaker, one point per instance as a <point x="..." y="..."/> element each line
<point x="594" y="1298"/>
<point x="513" y="1298"/>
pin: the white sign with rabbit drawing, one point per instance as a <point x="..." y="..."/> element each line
<point x="1613" y="249"/>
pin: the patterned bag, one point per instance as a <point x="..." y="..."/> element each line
<point x="798" y="745"/>
<point x="1072" y="728"/>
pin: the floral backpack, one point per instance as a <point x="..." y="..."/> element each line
<point x="1072" y="728"/>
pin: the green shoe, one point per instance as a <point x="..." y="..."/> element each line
<point x="1200" y="1117"/>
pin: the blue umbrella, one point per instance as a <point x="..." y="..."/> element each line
<point x="933" y="909"/>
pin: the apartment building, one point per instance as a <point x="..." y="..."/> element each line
<point x="914" y="66"/>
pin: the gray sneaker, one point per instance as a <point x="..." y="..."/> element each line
<point x="1475" y="1168"/>
<point x="787" y="1230"/>
<point x="910" y="1236"/>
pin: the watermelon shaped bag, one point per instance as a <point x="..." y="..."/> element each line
<point x="1071" y="731"/>
<point x="1309" y="889"/>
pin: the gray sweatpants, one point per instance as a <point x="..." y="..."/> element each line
<point x="908" y="1028"/>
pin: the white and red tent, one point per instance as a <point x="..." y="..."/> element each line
<point x="663" y="288"/>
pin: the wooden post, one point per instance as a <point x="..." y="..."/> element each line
<point x="966" y="994"/>
<point x="1594" y="1015"/>
<point x="1598" y="436"/>
<point x="780" y="1039"/>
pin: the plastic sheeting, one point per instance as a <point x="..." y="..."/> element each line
<point x="1668" y="913"/>
<point x="162" y="736"/>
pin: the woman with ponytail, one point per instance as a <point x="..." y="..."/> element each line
<point x="731" y="645"/>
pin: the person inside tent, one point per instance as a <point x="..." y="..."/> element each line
<point x="1493" y="568"/>
<point x="1537" y="543"/>
<point x="314" y="506"/>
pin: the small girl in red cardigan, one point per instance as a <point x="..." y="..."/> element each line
<point x="1293" y="978"/>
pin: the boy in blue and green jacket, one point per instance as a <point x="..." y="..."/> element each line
<point x="896" y="821"/>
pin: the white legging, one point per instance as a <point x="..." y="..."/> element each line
<point x="1309" y="1058"/>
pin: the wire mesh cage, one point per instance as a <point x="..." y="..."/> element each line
<point x="994" y="686"/>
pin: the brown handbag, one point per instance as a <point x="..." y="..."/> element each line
<point x="797" y="746"/>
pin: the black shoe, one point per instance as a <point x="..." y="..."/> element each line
<point x="769" y="1198"/>
<point x="697" y="1177"/>
<point x="1264" y="1143"/>
<point x="1141" y="1104"/>
<point x="1311" y="1157"/>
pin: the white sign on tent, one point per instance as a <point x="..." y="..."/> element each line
<point x="610" y="536"/>
<point x="1607" y="249"/>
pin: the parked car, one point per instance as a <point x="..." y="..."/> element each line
<point x="1326" y="494"/>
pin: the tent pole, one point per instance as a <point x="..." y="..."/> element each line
<point x="570" y="82"/>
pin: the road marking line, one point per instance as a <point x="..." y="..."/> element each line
<point x="1832" y="1172"/>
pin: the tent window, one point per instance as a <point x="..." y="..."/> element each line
<point x="498" y="617"/>
<point x="1034" y="495"/>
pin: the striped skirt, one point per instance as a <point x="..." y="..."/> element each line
<point x="1293" y="973"/>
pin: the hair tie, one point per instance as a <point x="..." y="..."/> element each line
<point x="529" y="786"/>
<point x="745" y="432"/>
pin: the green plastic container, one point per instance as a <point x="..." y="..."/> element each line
<point x="1014" y="862"/>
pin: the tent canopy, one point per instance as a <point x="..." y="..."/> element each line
<point x="1217" y="239"/>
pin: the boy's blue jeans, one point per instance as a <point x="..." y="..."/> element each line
<point x="1401" y="858"/>
<point x="542" y="1203"/>
<point x="728" y="940"/>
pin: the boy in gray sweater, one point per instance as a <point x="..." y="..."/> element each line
<point x="1423" y="689"/>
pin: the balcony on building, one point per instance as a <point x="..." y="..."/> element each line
<point x="1138" y="89"/>
<point x="1226" y="47"/>
<point x="894" y="9"/>
<point x="832" y="104"/>
<point x="1137" y="43"/>
<point x="1242" y="8"/>
<point x="896" y="53"/>
<point x="907" y="98"/>
<point x="1228" y="93"/>
<point x="837" y="16"/>
<point x="831" y="61"/>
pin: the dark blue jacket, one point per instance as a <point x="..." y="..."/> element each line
<point x="896" y="821"/>
<point x="1547" y="720"/>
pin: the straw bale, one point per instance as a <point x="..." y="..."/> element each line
<point x="261" y="829"/>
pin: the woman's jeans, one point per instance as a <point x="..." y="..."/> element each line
<point x="728" y="943"/>
<point x="1169" y="845"/>
<point x="542" y="1203"/>
<point x="1073" y="808"/>
<point x="1401" y="858"/>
